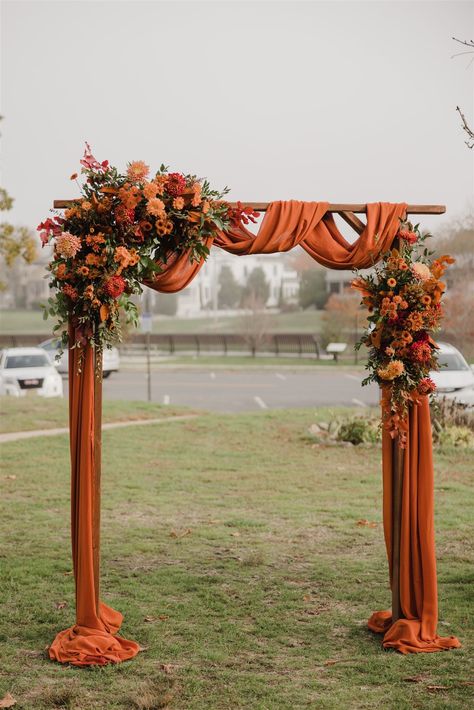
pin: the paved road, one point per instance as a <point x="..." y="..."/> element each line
<point x="243" y="390"/>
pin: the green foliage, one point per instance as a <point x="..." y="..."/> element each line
<point x="359" y="430"/>
<point x="313" y="289"/>
<point x="456" y="436"/>
<point x="230" y="292"/>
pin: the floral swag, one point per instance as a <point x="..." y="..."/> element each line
<point x="119" y="234"/>
<point x="125" y="227"/>
<point x="403" y="296"/>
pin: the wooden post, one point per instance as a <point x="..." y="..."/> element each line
<point x="398" y="460"/>
<point x="97" y="472"/>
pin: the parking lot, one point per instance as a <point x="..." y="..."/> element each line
<point x="243" y="390"/>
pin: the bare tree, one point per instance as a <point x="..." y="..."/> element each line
<point x="254" y="324"/>
<point x="465" y="126"/>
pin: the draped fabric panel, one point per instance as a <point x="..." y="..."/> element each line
<point x="93" y="640"/>
<point x="416" y="632"/>
<point x="289" y="224"/>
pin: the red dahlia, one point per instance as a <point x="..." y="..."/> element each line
<point x="426" y="386"/>
<point x="115" y="286"/>
<point x="408" y="236"/>
<point x="420" y="351"/>
<point x="175" y="184"/>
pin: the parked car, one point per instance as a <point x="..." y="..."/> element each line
<point x="24" y="369"/>
<point x="110" y="361"/>
<point x="455" y="378"/>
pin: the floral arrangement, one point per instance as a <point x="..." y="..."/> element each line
<point x="120" y="233"/>
<point x="403" y="296"/>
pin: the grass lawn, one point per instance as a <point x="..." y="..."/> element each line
<point x="32" y="412"/>
<point x="233" y="548"/>
<point x="23" y="321"/>
<point x="237" y="361"/>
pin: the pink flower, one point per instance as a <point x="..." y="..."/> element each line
<point x="421" y="271"/>
<point x="44" y="236"/>
<point x="90" y="163"/>
<point x="67" y="245"/>
<point x="138" y="170"/>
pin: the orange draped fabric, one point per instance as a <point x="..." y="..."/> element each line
<point x="92" y="640"/>
<point x="416" y="632"/>
<point x="289" y="224"/>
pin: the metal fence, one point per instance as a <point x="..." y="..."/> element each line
<point x="299" y="344"/>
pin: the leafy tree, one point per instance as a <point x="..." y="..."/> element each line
<point x="230" y="292"/>
<point x="312" y="288"/>
<point x="15" y="242"/>
<point x="257" y="287"/>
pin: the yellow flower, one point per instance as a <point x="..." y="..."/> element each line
<point x="394" y="369"/>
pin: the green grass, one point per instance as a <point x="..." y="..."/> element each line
<point x="236" y="361"/>
<point x="264" y="601"/>
<point x="32" y="412"/>
<point x="22" y="321"/>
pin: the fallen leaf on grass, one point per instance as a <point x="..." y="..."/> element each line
<point x="415" y="678"/>
<point x="68" y="574"/>
<point x="235" y="534"/>
<point x="143" y="648"/>
<point x="12" y="477"/>
<point x="366" y="523"/>
<point x="333" y="661"/>
<point x="436" y="688"/>
<point x="8" y="701"/>
<point x="467" y="682"/>
<point x="60" y="605"/>
<point x="151" y="619"/>
<point x="168" y="668"/>
<point x="183" y="533"/>
<point x="214" y="522"/>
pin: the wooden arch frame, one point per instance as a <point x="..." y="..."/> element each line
<point x="348" y="212"/>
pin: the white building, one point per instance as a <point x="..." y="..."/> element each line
<point x="202" y="294"/>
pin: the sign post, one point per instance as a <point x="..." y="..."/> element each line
<point x="146" y="326"/>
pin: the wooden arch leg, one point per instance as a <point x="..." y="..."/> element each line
<point x="97" y="472"/>
<point x="398" y="456"/>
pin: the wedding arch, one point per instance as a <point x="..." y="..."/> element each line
<point x="408" y="490"/>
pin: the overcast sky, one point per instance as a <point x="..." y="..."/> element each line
<point x="340" y="101"/>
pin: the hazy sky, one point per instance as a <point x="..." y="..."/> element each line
<point x="341" y="101"/>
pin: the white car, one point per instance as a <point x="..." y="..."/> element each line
<point x="455" y="378"/>
<point x="25" y="369"/>
<point x="110" y="360"/>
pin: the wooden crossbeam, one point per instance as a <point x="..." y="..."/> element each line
<point x="336" y="207"/>
<point x="351" y="219"/>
